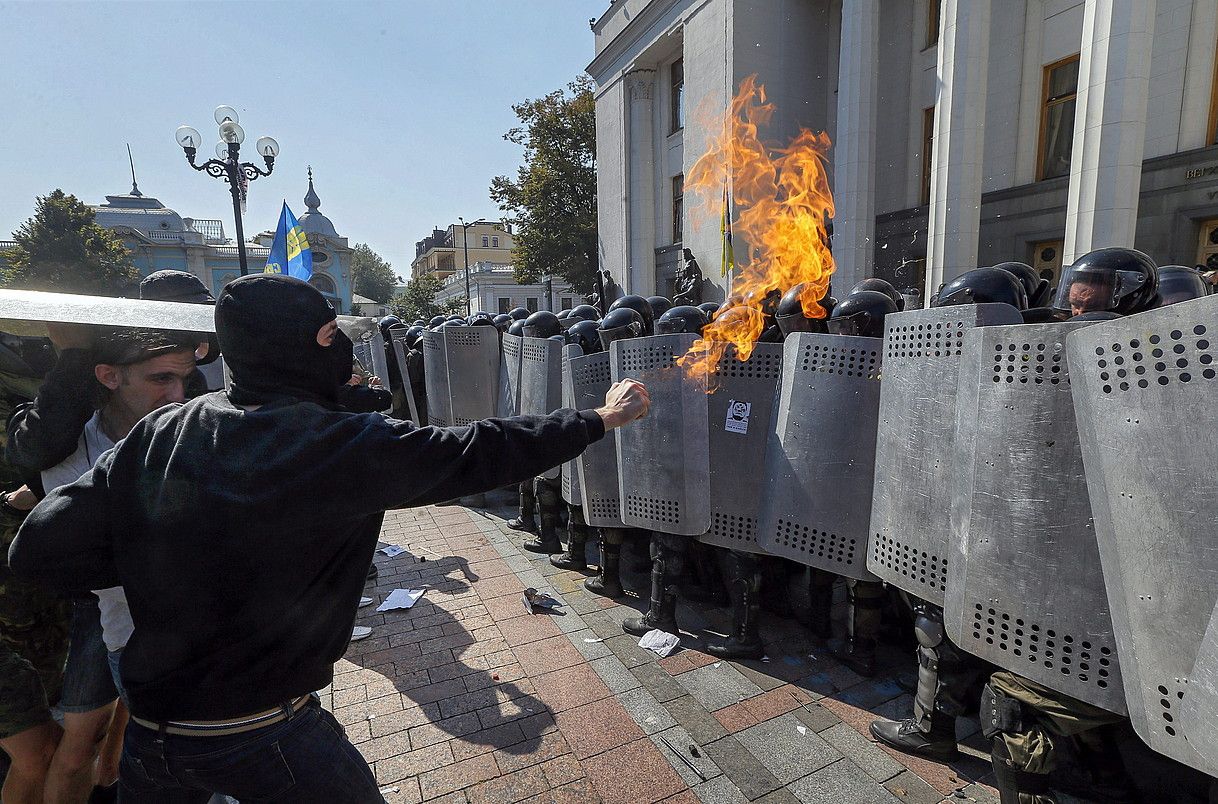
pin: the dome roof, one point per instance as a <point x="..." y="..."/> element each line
<point x="313" y="222"/>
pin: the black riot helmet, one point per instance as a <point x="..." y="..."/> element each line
<point x="983" y="286"/>
<point x="681" y="319"/>
<point x="861" y="313"/>
<point x="516" y="328"/>
<point x="624" y="322"/>
<point x="790" y="314"/>
<point x="563" y="315"/>
<point x="883" y="286"/>
<point x="542" y="324"/>
<point x="455" y="317"/>
<point x="1034" y="285"/>
<point x="455" y="322"/>
<point x="413" y="334"/>
<point x="436" y="320"/>
<point x="1179" y="283"/>
<point x="640" y="306"/>
<point x="385" y="323"/>
<point x="659" y="306"/>
<point x="502" y="322"/>
<point x="418" y="322"/>
<point x="585" y="312"/>
<point x="710" y="308"/>
<point x="585" y="335"/>
<point x="1117" y="280"/>
<point x="558" y="338"/>
<point x="479" y="316"/>
<point x="518" y="313"/>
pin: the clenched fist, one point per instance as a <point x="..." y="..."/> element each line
<point x="626" y="401"/>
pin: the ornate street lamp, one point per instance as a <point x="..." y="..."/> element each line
<point x="227" y="166"/>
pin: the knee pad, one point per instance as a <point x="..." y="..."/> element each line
<point x="928" y="627"/>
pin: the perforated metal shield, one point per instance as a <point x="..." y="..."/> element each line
<point x="911" y="501"/>
<point x="380" y="363"/>
<point x="1144" y="390"/>
<point x="1026" y="590"/>
<point x="740" y="417"/>
<point x="509" y="375"/>
<point x="472" y="358"/>
<point x="597" y="465"/>
<point x="435" y="376"/>
<point x="399" y="353"/>
<point x="664" y="458"/>
<point x="541" y="381"/>
<point x="570" y="471"/>
<point x="25" y="312"/>
<point x="363" y="353"/>
<point x="821" y="453"/>
<point x="1200" y="717"/>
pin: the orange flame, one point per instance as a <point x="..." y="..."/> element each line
<point x="781" y="198"/>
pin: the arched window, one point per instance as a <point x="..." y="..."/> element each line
<point x="324" y="283"/>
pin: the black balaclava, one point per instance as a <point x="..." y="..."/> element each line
<point x="267" y="325"/>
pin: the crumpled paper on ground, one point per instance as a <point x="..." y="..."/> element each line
<point x="401" y="599"/>
<point x="659" y="641"/>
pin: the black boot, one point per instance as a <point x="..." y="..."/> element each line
<point x="745" y="639"/>
<point x="526" y="521"/>
<point x="607" y="582"/>
<point x="576" y="557"/>
<point x="866" y="603"/>
<point x="663" y="611"/>
<point x="939" y="743"/>
<point x="820" y="604"/>
<point x="547" y="541"/>
<point x="1015" y="784"/>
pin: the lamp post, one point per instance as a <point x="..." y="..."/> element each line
<point x="227" y="166"/>
<point x="465" y="245"/>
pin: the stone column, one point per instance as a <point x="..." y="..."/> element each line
<point x="1109" y="125"/>
<point x="956" y="163"/>
<point x="640" y="156"/>
<point x="854" y="146"/>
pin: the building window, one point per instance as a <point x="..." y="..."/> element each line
<point x="1207" y="246"/>
<point x="934" y="10"/>
<point x="530" y="304"/>
<point x="928" y="151"/>
<point x="678" y="207"/>
<point x="1047" y="259"/>
<point x="1057" y="118"/>
<point x="676" y="96"/>
<point x="323" y="283"/>
<point x="485" y="241"/>
<point x="494" y="242"/>
<point x="566" y="303"/>
<point x="505" y="305"/>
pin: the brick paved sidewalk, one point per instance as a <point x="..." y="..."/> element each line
<point x="467" y="698"/>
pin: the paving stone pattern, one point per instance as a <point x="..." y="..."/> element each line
<point x="467" y="698"/>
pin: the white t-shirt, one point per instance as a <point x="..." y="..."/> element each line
<point x="115" y="616"/>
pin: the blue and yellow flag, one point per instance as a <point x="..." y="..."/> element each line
<point x="290" y="253"/>
<point x="728" y="261"/>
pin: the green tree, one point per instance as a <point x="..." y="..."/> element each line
<point x="63" y="249"/>
<point x="418" y="300"/>
<point x="552" y="200"/>
<point x="373" y="277"/>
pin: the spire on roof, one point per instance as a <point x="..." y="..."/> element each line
<point x="135" y="188"/>
<point x="311" y="199"/>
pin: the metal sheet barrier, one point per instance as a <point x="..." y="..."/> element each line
<point x="821" y="454"/>
<point x="1144" y="390"/>
<point x="472" y="358"/>
<point x="570" y="471"/>
<point x="509" y="375"/>
<point x="541" y="381"/>
<point x="399" y="353"/>
<point x="1025" y="590"/>
<point x="664" y="458"/>
<point x="740" y="418"/>
<point x="597" y="466"/>
<point x="911" y="501"/>
<point x="435" y="374"/>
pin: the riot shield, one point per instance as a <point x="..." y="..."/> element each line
<point x="740" y="416"/>
<point x="821" y="453"/>
<point x="1026" y="591"/>
<point x="380" y="365"/>
<point x="1200" y="717"/>
<point x="26" y="312"/>
<point x="399" y="353"/>
<point x="911" y="500"/>
<point x="509" y="375"/>
<point x="472" y="357"/>
<point x="598" y="464"/>
<point x="435" y="375"/>
<point x="541" y="381"/>
<point x="570" y="472"/>
<point x="1143" y="390"/>
<point x="663" y="458"/>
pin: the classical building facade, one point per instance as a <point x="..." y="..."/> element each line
<point x="966" y="132"/>
<point x="493" y="288"/>
<point x="444" y="250"/>
<point x="159" y="239"/>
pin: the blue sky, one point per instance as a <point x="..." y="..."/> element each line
<point x="400" y="107"/>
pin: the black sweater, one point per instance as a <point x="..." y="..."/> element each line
<point x="243" y="539"/>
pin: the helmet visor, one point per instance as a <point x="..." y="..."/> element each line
<point x="1088" y="290"/>
<point x="1178" y="286"/>
<point x="855" y="324"/>
<point x="631" y="330"/>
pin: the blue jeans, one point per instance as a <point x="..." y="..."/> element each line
<point x="304" y="760"/>
<point x="87" y="683"/>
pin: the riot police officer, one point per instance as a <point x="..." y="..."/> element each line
<point x="546" y="492"/>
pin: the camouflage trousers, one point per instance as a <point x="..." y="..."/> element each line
<point x="33" y="644"/>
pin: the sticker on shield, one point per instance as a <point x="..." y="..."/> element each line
<point x="738" y="416"/>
